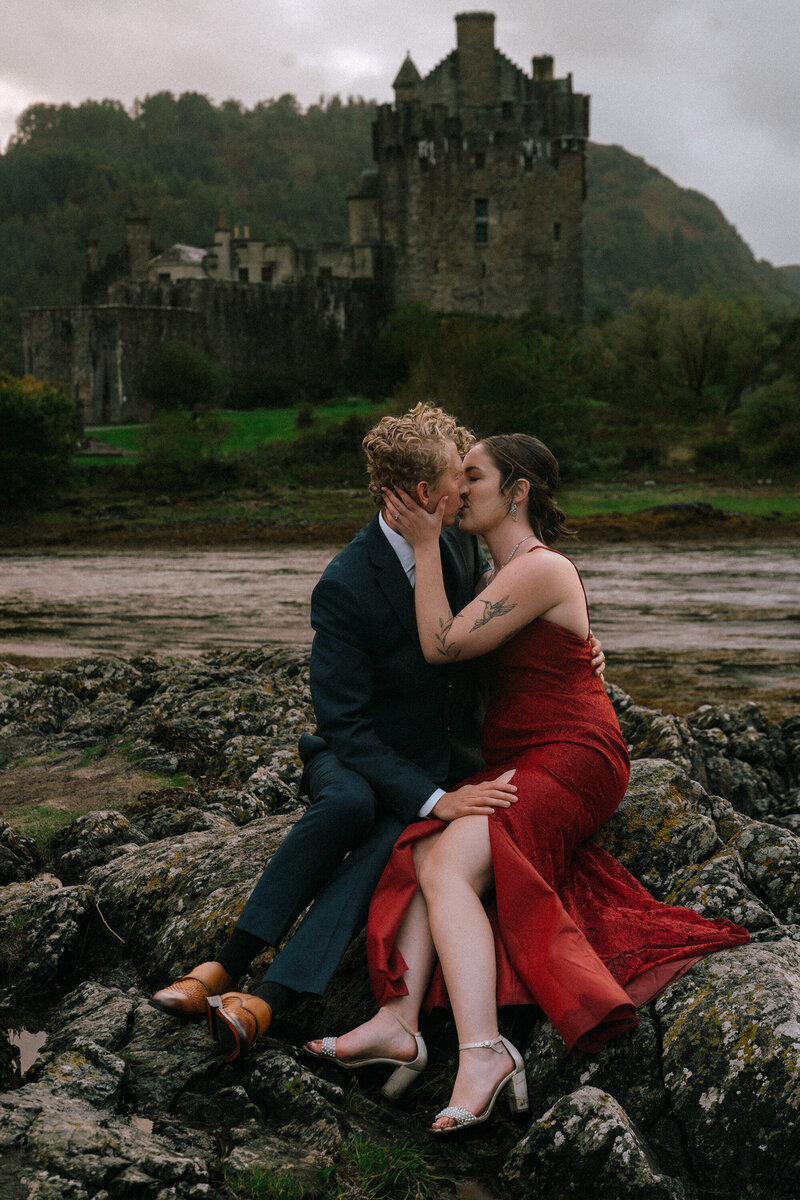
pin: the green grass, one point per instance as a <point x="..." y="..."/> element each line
<point x="594" y="498"/>
<point x="377" y="1172"/>
<point x="125" y="437"/>
<point x="42" y="823"/>
<point x="248" y="430"/>
<point x="261" y="1183"/>
<point x="91" y="753"/>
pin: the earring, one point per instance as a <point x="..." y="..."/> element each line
<point x="514" y="511"/>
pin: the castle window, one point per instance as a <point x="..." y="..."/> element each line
<point x="244" y="274"/>
<point x="481" y="221"/>
<point x="528" y="162"/>
<point x="480" y="160"/>
<point x="164" y="277"/>
<point x="507" y="110"/>
<point x="325" y="273"/>
<point x="557" y="231"/>
<point x="267" y="272"/>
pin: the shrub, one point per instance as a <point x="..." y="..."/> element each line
<point x="182" y="450"/>
<point x="37" y="422"/>
<point x="181" y="376"/>
<point x="767" y="426"/>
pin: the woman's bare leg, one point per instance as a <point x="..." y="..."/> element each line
<point x="454" y="877"/>
<point x="387" y="1032"/>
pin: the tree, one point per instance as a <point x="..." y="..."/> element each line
<point x="37" y="422"/>
<point x="180" y="375"/>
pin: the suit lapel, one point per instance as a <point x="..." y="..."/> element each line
<point x="391" y="578"/>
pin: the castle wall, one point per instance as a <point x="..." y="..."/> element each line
<point x="98" y="353"/>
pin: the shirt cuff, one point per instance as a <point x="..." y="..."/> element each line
<point x="431" y="802"/>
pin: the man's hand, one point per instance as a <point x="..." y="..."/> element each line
<point x="598" y="658"/>
<point x="476" y="799"/>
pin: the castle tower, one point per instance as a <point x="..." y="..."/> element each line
<point x="480" y="182"/>
<point x="137" y="238"/>
<point x="475" y="59"/>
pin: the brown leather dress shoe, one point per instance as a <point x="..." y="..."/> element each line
<point x="237" y="1020"/>
<point x="187" y="996"/>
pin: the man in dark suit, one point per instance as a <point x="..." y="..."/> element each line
<point x="395" y="734"/>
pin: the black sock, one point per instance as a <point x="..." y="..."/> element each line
<point x="239" y="951"/>
<point x="277" y="995"/>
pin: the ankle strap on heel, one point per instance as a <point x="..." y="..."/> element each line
<point x="488" y="1045"/>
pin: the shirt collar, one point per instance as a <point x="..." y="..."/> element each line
<point x="402" y="549"/>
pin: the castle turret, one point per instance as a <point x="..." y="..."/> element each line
<point x="405" y="85"/>
<point x="477" y="77"/>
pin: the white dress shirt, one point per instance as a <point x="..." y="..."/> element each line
<point x="405" y="553"/>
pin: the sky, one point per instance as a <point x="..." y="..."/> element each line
<point x="704" y="90"/>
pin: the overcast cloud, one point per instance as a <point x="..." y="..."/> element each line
<point x="705" y="90"/>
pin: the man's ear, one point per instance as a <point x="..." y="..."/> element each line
<point x="422" y="493"/>
<point x="521" y="490"/>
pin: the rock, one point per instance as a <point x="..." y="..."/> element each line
<point x="587" y="1146"/>
<point x="731" y="1061"/>
<point x="127" y="1101"/>
<point x="771" y="857"/>
<point x="628" y="1068"/>
<point x="18" y="857"/>
<point x="90" y="840"/>
<point x="42" y="930"/>
<point x="173" y="902"/>
<point x="662" y="825"/>
<point x="58" y="1141"/>
<point x="717" y="888"/>
<point x="736" y="753"/>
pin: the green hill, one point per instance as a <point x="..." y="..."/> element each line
<point x="792" y="276"/>
<point x="642" y="230"/>
<point x="74" y="173"/>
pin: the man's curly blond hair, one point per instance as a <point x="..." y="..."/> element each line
<point x="402" y="451"/>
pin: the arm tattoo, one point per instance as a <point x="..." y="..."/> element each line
<point x="498" y="609"/>
<point x="441" y="640"/>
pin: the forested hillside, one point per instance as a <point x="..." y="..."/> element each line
<point x="73" y="173"/>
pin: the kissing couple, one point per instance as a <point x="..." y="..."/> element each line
<point x="466" y="846"/>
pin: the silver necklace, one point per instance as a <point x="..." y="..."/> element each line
<point x="513" y="552"/>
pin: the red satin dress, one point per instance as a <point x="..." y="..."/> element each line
<point x="575" y="933"/>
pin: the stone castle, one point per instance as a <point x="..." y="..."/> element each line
<point x="474" y="205"/>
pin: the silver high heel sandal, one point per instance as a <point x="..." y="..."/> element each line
<point x="515" y="1083"/>
<point x="400" y="1079"/>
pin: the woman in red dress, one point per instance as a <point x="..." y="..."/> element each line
<point x="516" y="906"/>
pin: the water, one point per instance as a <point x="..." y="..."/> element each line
<point x="722" y="615"/>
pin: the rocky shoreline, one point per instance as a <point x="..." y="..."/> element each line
<point x="698" y="1102"/>
<point x="115" y="527"/>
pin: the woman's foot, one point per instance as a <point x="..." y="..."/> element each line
<point x="383" y="1036"/>
<point x="484" y="1069"/>
<point x="385" y="1039"/>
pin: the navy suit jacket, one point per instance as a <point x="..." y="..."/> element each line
<point x="386" y="713"/>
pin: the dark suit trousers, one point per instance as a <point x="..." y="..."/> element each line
<point x="334" y="856"/>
